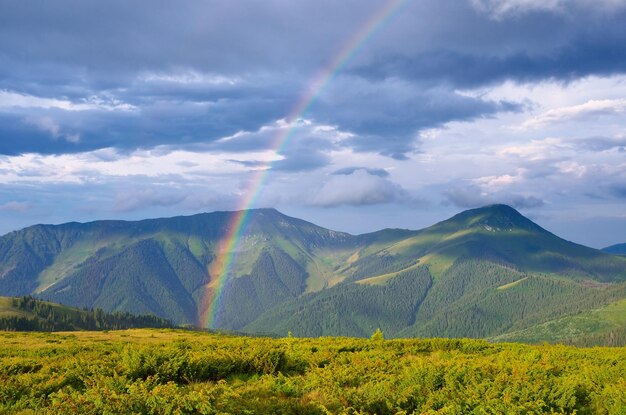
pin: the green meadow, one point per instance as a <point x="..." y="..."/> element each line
<point x="166" y="371"/>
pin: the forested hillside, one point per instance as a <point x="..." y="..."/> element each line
<point x="29" y="314"/>
<point x="482" y="273"/>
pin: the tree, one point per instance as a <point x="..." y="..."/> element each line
<point x="378" y="335"/>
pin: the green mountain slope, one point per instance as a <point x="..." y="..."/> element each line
<point x="482" y="273"/>
<point x="491" y="269"/>
<point x="351" y="309"/>
<point x="161" y="266"/>
<point x="30" y="314"/>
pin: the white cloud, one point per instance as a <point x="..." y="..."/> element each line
<point x="189" y="77"/>
<point x="503" y="8"/>
<point x="497" y="181"/>
<point x="589" y="109"/>
<point x="12" y="99"/>
<point x="555" y="147"/>
<point x="99" y="165"/>
<point x="534" y="149"/>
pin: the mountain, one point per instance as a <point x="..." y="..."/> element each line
<point x="482" y="273"/>
<point x="31" y="314"/>
<point x="160" y="266"/>
<point x="485" y="271"/>
<point x="619" y="249"/>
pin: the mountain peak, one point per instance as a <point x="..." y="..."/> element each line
<point x="496" y="217"/>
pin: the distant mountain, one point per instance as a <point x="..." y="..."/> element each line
<point x="482" y="273"/>
<point x="30" y="314"/>
<point x="619" y="249"/>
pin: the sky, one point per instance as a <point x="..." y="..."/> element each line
<point x="131" y="110"/>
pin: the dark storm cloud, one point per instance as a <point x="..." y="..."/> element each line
<point x="386" y="115"/>
<point x="163" y="73"/>
<point x="157" y="123"/>
<point x="302" y="161"/>
<point x="307" y="148"/>
<point x="472" y="50"/>
<point x="581" y="57"/>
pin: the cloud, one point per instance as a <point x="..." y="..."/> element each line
<point x="358" y="189"/>
<point x="501" y="8"/>
<point x="303" y="146"/>
<point x="137" y="199"/>
<point x="115" y="106"/>
<point x="385" y="117"/>
<point x="581" y="112"/>
<point x="374" y="172"/>
<point x="552" y="150"/>
<point x="472" y="196"/>
<point x="107" y="166"/>
<point x="17" y="207"/>
<point x="504" y="8"/>
<point x="11" y="99"/>
<point x="143" y="89"/>
<point x="50" y="126"/>
<point x="598" y="144"/>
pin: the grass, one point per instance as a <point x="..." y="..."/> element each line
<point x="181" y="372"/>
<point x="64" y="264"/>
<point x="511" y="284"/>
<point x="384" y="278"/>
<point x="7" y="309"/>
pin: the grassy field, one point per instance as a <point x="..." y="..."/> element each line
<point x="179" y="372"/>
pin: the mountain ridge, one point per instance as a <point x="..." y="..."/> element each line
<point x="453" y="278"/>
<point x="617" y="249"/>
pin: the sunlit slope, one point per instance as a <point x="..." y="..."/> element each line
<point x="500" y="234"/>
<point x="497" y="234"/>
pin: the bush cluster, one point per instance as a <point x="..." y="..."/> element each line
<point x="163" y="371"/>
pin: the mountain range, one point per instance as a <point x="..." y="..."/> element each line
<point x="487" y="272"/>
<point x="618" y="249"/>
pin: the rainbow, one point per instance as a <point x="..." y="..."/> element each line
<point x="220" y="268"/>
